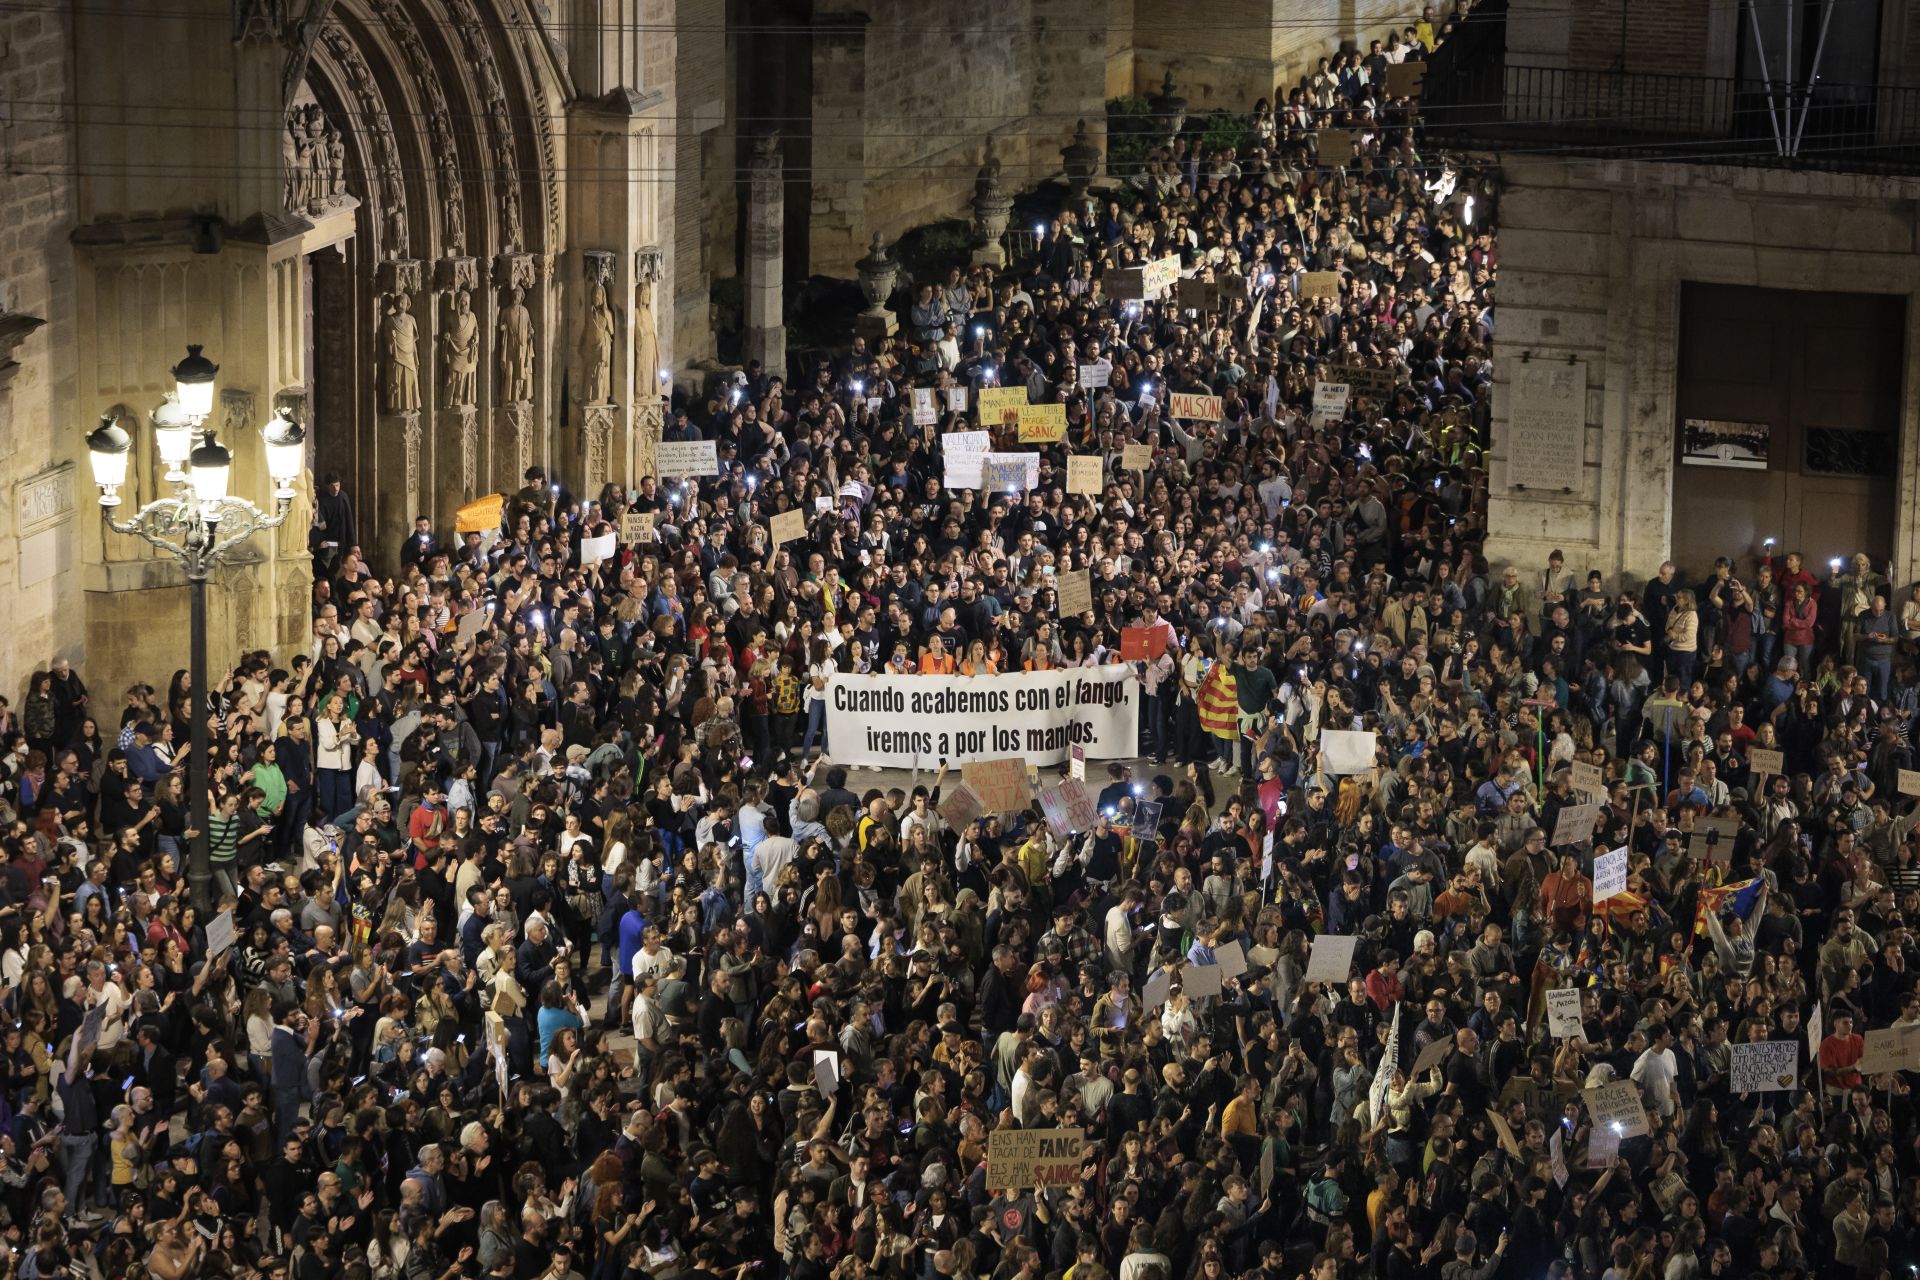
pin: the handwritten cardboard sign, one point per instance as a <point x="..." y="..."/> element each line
<point x="1888" y="1049"/>
<point x="1075" y="591"/>
<point x="1320" y="284"/>
<point x="960" y="806"/>
<point x="1587" y="778"/>
<point x="1766" y="763"/>
<point x="786" y="526"/>
<point x="1563" y="1013"/>
<point x="1000" y="406"/>
<point x="1136" y="457"/>
<point x="636" y="526"/>
<point x="1909" y="782"/>
<point x="1336" y="146"/>
<point x="1042" y="423"/>
<point x="1575" y="823"/>
<point x="1001" y="784"/>
<point x="1023" y="1159"/>
<point x="686" y="458"/>
<point x="1096" y="375"/>
<point x="1196" y="408"/>
<point x="1405" y="78"/>
<point x="1609" y="874"/>
<point x="1085" y="474"/>
<point x="1616" y="1109"/>
<point x="1331" y="959"/>
<point x="1769" y="1066"/>
<point x="926" y="409"/>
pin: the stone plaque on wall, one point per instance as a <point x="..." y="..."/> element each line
<point x="1547" y="425"/>
<point x="43" y="500"/>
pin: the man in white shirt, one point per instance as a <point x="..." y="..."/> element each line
<point x="1657" y="1070"/>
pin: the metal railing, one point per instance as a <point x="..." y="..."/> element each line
<point x="1491" y="104"/>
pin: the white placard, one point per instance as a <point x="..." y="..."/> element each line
<point x="1545" y="443"/>
<point x="1201" y="981"/>
<point x="1816" y="1032"/>
<point x="1767" y="1067"/>
<point x="899" y="722"/>
<point x="1617" y="1109"/>
<point x="1563" y="1013"/>
<point x="1346" y="751"/>
<point x="1575" y="823"/>
<point x="1329" y="401"/>
<point x="1609" y="875"/>
<point x="1232" y="959"/>
<point x="1331" y="959"/>
<point x="963" y="452"/>
<point x="1095" y="375"/>
<point x="956" y="399"/>
<point x="686" y="458"/>
<point x="826" y="1072"/>
<point x="1158" y="986"/>
<point x="926" y="409"/>
<point x="219" y="934"/>
<point x="594" y="550"/>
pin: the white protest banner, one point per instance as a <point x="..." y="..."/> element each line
<point x="926" y="410"/>
<point x="893" y="721"/>
<point x="1767" y="1067"/>
<point x="1331" y="959"/>
<point x="687" y="458"/>
<point x="1095" y="375"/>
<point x="1575" y="823"/>
<point x="1563" y="1013"/>
<point x="963" y="452"/>
<point x="1617" y="1109"/>
<point x="1075" y="591"/>
<point x="1329" y="402"/>
<point x="1009" y="472"/>
<point x="1084" y="474"/>
<point x="1346" y="751"/>
<point x="1024" y="1159"/>
<point x="785" y="526"/>
<point x="219" y="934"/>
<point x="1609" y="875"/>
<point x="594" y="550"/>
<point x="956" y="399"/>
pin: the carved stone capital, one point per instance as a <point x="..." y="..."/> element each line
<point x="236" y="412"/>
<point x="455" y="273"/>
<point x="598" y="265"/>
<point x="649" y="264"/>
<point x="400" y="275"/>
<point x="515" y="270"/>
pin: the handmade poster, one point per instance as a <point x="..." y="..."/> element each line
<point x="1587" y="778"/>
<point x="1136" y="457"/>
<point x="787" y="526"/>
<point x="1609" y="874"/>
<point x="1890" y="1049"/>
<point x="1714" y="838"/>
<point x="1001" y="784"/>
<point x="1430" y="1057"/>
<point x="1053" y="807"/>
<point x="89" y="1032"/>
<point x="963" y="452"/>
<point x="894" y="722"/>
<point x="1404" y="78"/>
<point x="1042" y="423"/>
<point x="1362" y="379"/>
<point x="1232" y="959"/>
<point x="1085" y="474"/>
<point x="1000" y="406"/>
<point x="594" y="550"/>
<point x="926" y="407"/>
<point x="1083" y="806"/>
<point x="1196" y="408"/>
<point x="472" y="623"/>
<point x="1142" y="644"/>
<point x="1504" y="1132"/>
<point x="1557" y="1157"/>
<point x="480" y="515"/>
<point x="960" y="806"/>
<point x="1602" y="1146"/>
<point x="1563" y="1014"/>
<point x="219" y="934"/>
<point x="1319" y="284"/>
<point x="956" y="399"/>
<point x="1024" y="1159"/>
<point x="1077" y="762"/>
<point x="1908" y="783"/>
<point x="1075" y="590"/>
<point x="1331" y="957"/>
<point x="1330" y="401"/>
<point x="1200" y="981"/>
<point x="1336" y="146"/>
<point x="1009" y="472"/>
<point x="1096" y="375"/>
<point x="636" y="526"/>
<point x="1767" y="1067"/>
<point x="1346" y="751"/>
<point x="826" y="1072"/>
<point x="1160" y="275"/>
<point x="687" y="458"/>
<point x="1765" y="763"/>
<point x="1158" y="986"/>
<point x="1617" y="1109"/>
<point x="1575" y="823"/>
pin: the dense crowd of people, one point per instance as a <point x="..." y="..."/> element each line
<point x="545" y="938"/>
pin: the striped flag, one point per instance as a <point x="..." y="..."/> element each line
<point x="1220" y="703"/>
<point x="1739" y="898"/>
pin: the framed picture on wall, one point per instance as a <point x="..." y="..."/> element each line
<point x="1712" y="442"/>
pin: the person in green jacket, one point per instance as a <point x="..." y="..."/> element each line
<point x="266" y="775"/>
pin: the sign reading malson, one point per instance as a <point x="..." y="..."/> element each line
<point x="1023" y="1159"/>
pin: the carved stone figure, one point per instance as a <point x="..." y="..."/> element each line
<point x="596" y="347"/>
<point x="396" y="231"/>
<point x="516" y="350"/>
<point x="460" y="351"/>
<point x="646" y="341"/>
<point x="510" y="218"/>
<point x="455" y="213"/>
<point x="400" y="335"/>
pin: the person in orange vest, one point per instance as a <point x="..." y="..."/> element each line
<point x="936" y="661"/>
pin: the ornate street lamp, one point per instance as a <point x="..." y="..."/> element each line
<point x="199" y="526"/>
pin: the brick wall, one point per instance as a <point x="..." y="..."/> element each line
<point x="1649" y="37"/>
<point x="36" y="277"/>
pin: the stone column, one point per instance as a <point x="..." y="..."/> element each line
<point x="837" y="226"/>
<point x="600" y="345"/>
<point x="406" y="364"/>
<point x="598" y="426"/>
<point x="649" y="422"/>
<point x="766" y="265"/>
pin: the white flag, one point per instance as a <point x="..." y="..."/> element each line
<point x="1377" y="1096"/>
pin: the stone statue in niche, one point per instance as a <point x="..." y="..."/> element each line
<point x="596" y="347"/>
<point x="460" y="351"/>
<point x="399" y="340"/>
<point x="646" y="341"/>
<point x="316" y="159"/>
<point x="456" y="223"/>
<point x="510" y="218"/>
<point x="516" y="350"/>
<point x="396" y="231"/>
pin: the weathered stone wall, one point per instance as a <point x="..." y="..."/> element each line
<point x="41" y="507"/>
<point x="1227" y="53"/>
<point x="703" y="200"/>
<point x="1592" y="257"/>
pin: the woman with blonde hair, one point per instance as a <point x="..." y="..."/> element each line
<point x="1683" y="639"/>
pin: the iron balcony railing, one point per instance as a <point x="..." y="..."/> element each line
<point x="1489" y="104"/>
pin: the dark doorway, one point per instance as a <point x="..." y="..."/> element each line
<point x="1789" y="423"/>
